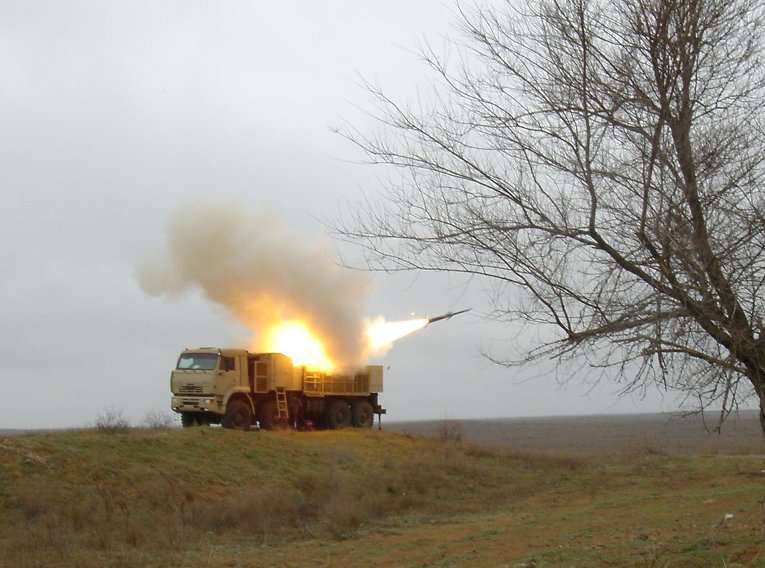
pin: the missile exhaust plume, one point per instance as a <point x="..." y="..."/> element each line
<point x="289" y="291"/>
<point x="381" y="334"/>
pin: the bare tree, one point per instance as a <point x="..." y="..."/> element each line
<point x="606" y="159"/>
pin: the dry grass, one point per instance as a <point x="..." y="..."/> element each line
<point x="159" y="498"/>
<point x="89" y="498"/>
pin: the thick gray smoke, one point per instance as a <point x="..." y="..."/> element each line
<point x="263" y="274"/>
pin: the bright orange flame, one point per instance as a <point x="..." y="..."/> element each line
<point x="381" y="334"/>
<point x="295" y="339"/>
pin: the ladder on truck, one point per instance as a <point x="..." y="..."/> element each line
<point x="282" y="407"/>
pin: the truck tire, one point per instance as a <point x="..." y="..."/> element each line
<point x="188" y="420"/>
<point x="338" y="414"/>
<point x="363" y="414"/>
<point x="267" y="414"/>
<point x="238" y="415"/>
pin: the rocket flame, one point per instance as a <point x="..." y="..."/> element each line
<point x="381" y="334"/>
<point x="296" y="340"/>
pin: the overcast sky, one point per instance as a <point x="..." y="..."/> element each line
<point x="114" y="113"/>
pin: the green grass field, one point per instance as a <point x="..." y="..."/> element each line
<point x="210" y="497"/>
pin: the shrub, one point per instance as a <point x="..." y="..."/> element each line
<point x="159" y="420"/>
<point x="450" y="431"/>
<point x="112" y="421"/>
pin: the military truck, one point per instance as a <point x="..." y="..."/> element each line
<point x="239" y="389"/>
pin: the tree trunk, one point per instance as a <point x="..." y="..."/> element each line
<point x="759" y="388"/>
<point x="758" y="384"/>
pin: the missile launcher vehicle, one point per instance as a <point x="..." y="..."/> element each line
<point x="239" y="389"/>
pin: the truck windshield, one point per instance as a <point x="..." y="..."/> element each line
<point x="201" y="361"/>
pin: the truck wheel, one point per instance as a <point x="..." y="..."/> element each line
<point x="188" y="420"/>
<point x="267" y="414"/>
<point x="339" y="414"/>
<point x="363" y="414"/>
<point x="238" y="415"/>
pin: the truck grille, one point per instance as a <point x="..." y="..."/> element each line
<point x="190" y="389"/>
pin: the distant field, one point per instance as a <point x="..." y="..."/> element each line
<point x="215" y="498"/>
<point x="593" y="435"/>
<point x="588" y="435"/>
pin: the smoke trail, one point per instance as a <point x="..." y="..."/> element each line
<point x="262" y="274"/>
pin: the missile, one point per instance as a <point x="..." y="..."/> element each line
<point x="447" y="315"/>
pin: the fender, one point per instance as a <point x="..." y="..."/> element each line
<point x="239" y="392"/>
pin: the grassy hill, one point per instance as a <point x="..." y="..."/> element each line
<point x="209" y="497"/>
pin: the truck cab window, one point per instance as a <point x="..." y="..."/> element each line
<point x="227" y="363"/>
<point x="198" y="361"/>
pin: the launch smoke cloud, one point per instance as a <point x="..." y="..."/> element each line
<point x="262" y="273"/>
